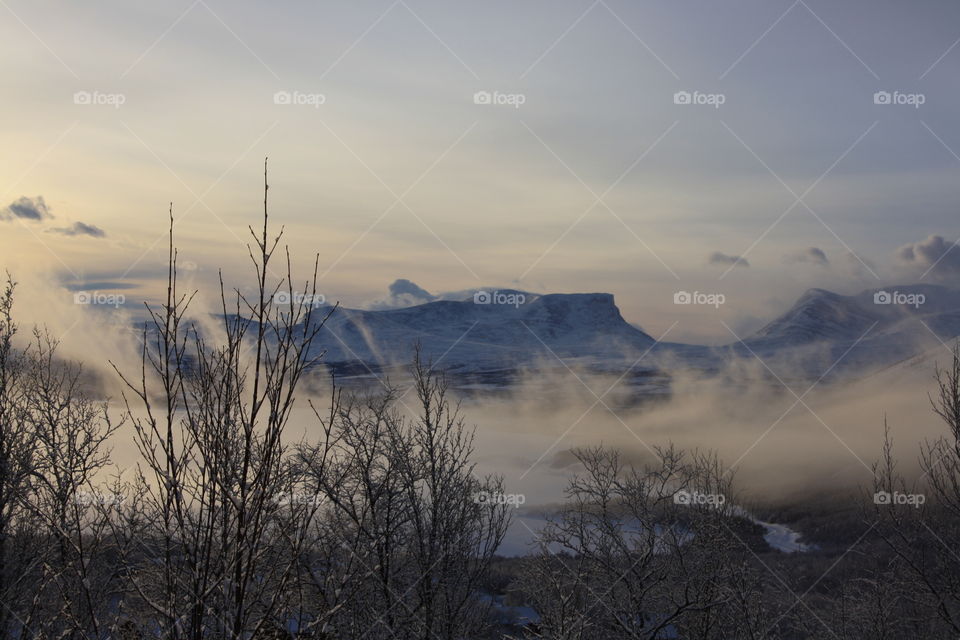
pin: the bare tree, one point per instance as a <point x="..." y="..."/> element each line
<point x="920" y="520"/>
<point x="16" y="465"/>
<point x="53" y="446"/>
<point x="213" y="451"/>
<point x="639" y="553"/>
<point x="70" y="432"/>
<point x="455" y="530"/>
<point x="410" y="515"/>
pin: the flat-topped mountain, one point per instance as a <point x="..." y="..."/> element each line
<point x="489" y="330"/>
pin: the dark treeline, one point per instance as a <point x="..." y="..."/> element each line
<point x="227" y="529"/>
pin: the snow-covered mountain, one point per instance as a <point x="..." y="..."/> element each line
<point x="823" y="332"/>
<point x="500" y="330"/>
<point x="514" y="329"/>
<point x="821" y="315"/>
<point x="859" y="333"/>
<point x="487" y="338"/>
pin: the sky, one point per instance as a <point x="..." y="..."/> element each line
<point x="750" y="148"/>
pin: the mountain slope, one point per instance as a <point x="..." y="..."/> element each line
<point x="465" y="335"/>
<point x="862" y="332"/>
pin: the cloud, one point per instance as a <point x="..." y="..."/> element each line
<point x="813" y="255"/>
<point x="404" y="293"/>
<point x="96" y="285"/>
<point x="403" y="286"/>
<point x="36" y="209"/>
<point x="26" y="208"/>
<point x="722" y="259"/>
<point x="934" y="255"/>
<point x="81" y="229"/>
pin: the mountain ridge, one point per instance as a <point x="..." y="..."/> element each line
<point x="495" y="335"/>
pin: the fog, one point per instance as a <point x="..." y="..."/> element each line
<point x="778" y="446"/>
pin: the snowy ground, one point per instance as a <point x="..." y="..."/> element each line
<point x="783" y="538"/>
<point x="521" y="539"/>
